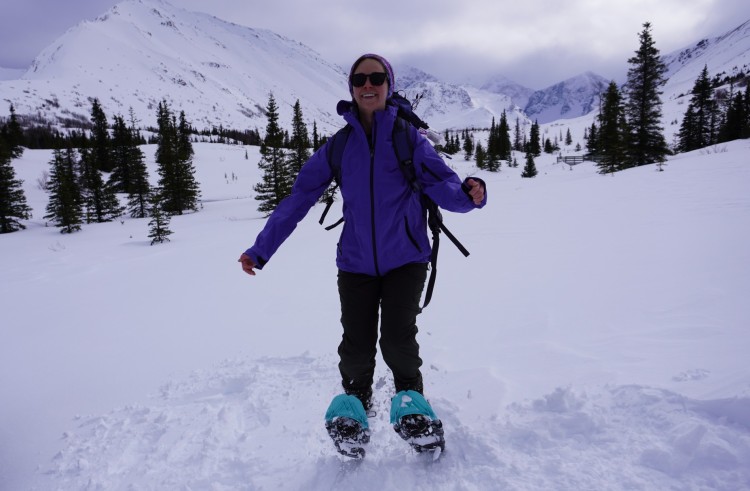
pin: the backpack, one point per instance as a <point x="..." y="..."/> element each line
<point x="402" y="145"/>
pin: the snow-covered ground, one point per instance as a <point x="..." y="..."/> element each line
<point x="595" y="339"/>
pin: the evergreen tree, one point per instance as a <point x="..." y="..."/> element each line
<point x="65" y="203"/>
<point x="529" y="170"/>
<point x="13" y="205"/>
<point x="130" y="174"/>
<point x="643" y="102"/>
<point x="517" y="138"/>
<point x="316" y="137"/>
<point x="100" y="141"/>
<point x="534" y="145"/>
<point x="613" y="132"/>
<point x="159" y="225"/>
<point x="13" y="135"/>
<point x="99" y="199"/>
<point x="492" y="156"/>
<point x="480" y="156"/>
<point x="504" y="147"/>
<point x="275" y="185"/>
<point x="568" y="138"/>
<point x="190" y="191"/>
<point x="698" y="128"/>
<point x="468" y="146"/>
<point x="592" y="142"/>
<point x="299" y="143"/>
<point x="174" y="155"/>
<point x="736" y="121"/>
<point x="548" y="148"/>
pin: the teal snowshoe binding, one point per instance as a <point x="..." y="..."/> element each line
<point x="346" y="423"/>
<point x="415" y="422"/>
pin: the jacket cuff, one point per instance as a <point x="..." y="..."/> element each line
<point x="259" y="261"/>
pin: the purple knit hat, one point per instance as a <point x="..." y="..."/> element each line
<point x="384" y="62"/>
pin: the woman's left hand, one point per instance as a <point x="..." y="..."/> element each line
<point x="476" y="191"/>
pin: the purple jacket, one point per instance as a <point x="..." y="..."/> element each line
<point x="385" y="224"/>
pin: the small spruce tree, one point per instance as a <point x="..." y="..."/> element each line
<point x="529" y="170"/>
<point x="65" y="207"/>
<point x="159" y="225"/>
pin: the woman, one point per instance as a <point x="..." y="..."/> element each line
<point x="383" y="251"/>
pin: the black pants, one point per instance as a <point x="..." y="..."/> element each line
<point x="396" y="295"/>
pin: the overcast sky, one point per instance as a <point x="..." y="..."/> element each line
<point x="535" y="43"/>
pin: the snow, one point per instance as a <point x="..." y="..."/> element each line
<point x="596" y="338"/>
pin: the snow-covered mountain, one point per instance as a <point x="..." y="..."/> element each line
<point x="571" y="98"/>
<point x="142" y="51"/>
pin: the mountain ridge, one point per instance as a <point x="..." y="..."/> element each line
<point x="221" y="73"/>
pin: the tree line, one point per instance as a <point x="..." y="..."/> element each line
<point x="714" y="116"/>
<point x="78" y="190"/>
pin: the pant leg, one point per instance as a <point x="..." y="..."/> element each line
<point x="360" y="300"/>
<point x="401" y="294"/>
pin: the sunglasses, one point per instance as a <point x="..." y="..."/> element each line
<point x="376" y="78"/>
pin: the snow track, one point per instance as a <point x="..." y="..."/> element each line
<point x="258" y="424"/>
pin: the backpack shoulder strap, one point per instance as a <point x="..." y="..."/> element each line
<point x="404" y="148"/>
<point x="335" y="151"/>
<point x="335" y="155"/>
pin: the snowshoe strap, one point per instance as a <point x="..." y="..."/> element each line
<point x="409" y="402"/>
<point x="347" y="406"/>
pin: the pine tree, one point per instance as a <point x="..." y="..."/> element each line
<point x="65" y="203"/>
<point x="643" y="102"/>
<point x="468" y="146"/>
<point x="275" y="185"/>
<point x="13" y="205"/>
<point x="592" y="142"/>
<point x="698" y="128"/>
<point x="529" y="170"/>
<point x="159" y="225"/>
<point x="504" y="147"/>
<point x="100" y="141"/>
<point x="299" y="143"/>
<point x="568" y="138"/>
<point x="480" y="156"/>
<point x="315" y="137"/>
<point x="190" y="191"/>
<point x="613" y="132"/>
<point x="534" y="145"/>
<point x="13" y="135"/>
<point x="99" y="199"/>
<point x="174" y="154"/>
<point x="736" y="123"/>
<point x="517" y="139"/>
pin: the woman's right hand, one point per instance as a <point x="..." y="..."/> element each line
<point x="247" y="264"/>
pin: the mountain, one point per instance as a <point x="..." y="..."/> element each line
<point x="725" y="56"/>
<point x="571" y="98"/>
<point x="142" y="51"/>
<point x="518" y="94"/>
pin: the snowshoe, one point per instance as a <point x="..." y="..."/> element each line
<point x="346" y="423"/>
<point x="416" y="423"/>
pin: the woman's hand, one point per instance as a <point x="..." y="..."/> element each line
<point x="476" y="191"/>
<point x="247" y="264"/>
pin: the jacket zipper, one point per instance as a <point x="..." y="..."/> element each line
<point x="372" y="200"/>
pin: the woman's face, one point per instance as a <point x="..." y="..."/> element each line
<point x="370" y="97"/>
